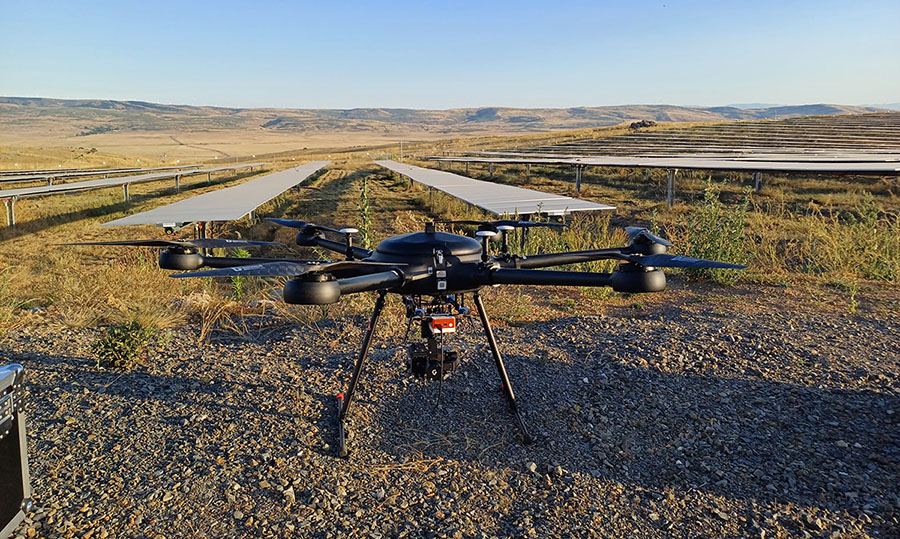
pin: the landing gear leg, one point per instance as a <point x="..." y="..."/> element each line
<point x="501" y="369"/>
<point x="344" y="401"/>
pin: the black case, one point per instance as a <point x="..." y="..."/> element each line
<point x="15" y="486"/>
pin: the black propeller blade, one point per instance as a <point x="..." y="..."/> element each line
<point x="504" y="222"/>
<point x="286" y="269"/>
<point x="303" y="225"/>
<point x="203" y="243"/>
<point x="678" y="261"/>
<point x="636" y="233"/>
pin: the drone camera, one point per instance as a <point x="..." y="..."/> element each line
<point x="430" y="359"/>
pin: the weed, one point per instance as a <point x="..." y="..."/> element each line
<point x="122" y="345"/>
<point x="717" y="232"/>
<point x="365" y="214"/>
<point x="237" y="281"/>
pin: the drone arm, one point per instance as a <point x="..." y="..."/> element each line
<point x="559" y="259"/>
<point x="634" y="281"/>
<point x="549" y="277"/>
<point x="373" y="281"/>
<point x="336" y="246"/>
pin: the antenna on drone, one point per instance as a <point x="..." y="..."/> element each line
<point x="485" y="236"/>
<point x="504" y="230"/>
<point x="348" y="238"/>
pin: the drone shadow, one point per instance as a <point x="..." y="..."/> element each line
<point x="745" y="438"/>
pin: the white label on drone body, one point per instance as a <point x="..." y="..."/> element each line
<point x="442" y="285"/>
<point x="441" y="274"/>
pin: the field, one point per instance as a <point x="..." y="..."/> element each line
<point x="764" y="404"/>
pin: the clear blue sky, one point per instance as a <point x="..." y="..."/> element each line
<point x="453" y="54"/>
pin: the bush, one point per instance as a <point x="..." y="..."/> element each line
<point x="864" y="242"/>
<point x="122" y="345"/>
<point x="716" y="231"/>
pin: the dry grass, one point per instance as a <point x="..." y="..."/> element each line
<point x="797" y="232"/>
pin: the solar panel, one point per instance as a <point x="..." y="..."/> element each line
<point x="77" y="173"/>
<point x="224" y="204"/>
<point x="25" y="192"/>
<point x="494" y="198"/>
<point x="10" y="196"/>
<point x="688" y="163"/>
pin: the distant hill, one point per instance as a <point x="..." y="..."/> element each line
<point x="73" y="117"/>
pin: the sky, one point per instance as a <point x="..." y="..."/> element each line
<point x="440" y="55"/>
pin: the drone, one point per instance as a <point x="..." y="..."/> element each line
<point x="433" y="271"/>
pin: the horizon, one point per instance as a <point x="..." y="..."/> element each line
<point x="742" y="106"/>
<point x="426" y="57"/>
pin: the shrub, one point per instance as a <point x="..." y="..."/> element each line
<point x="122" y="345"/>
<point x="716" y="231"/>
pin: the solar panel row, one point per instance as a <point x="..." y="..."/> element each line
<point x="497" y="199"/>
<point x="79" y="173"/>
<point x="224" y="204"/>
<point x="10" y="196"/>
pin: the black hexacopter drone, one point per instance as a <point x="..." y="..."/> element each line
<point x="431" y="264"/>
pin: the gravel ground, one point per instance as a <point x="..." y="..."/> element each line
<point x="757" y="418"/>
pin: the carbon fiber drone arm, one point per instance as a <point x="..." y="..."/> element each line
<point x="373" y="281"/>
<point x="559" y="259"/>
<point x="549" y="277"/>
<point x="638" y="281"/>
<point x="309" y="240"/>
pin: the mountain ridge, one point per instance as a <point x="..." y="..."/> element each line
<point x="125" y="115"/>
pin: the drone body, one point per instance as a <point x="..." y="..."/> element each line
<point x="429" y="264"/>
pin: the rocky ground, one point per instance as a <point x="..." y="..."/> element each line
<point x="755" y="416"/>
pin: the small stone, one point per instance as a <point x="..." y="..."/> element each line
<point x="289" y="495"/>
<point x="842" y="444"/>
<point x="379" y="494"/>
<point x="654" y="516"/>
<point x="531" y="467"/>
<point x="721" y="514"/>
<point x="265" y="484"/>
<point x="168" y="496"/>
<point x="238" y="515"/>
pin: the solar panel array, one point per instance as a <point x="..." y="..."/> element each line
<point x="829" y="138"/>
<point x="494" y="198"/>
<point x="10" y="196"/>
<point x="80" y="173"/>
<point x="224" y="204"/>
<point x="695" y="163"/>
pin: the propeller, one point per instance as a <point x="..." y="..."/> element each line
<point x="636" y="233"/>
<point x="504" y="222"/>
<point x="303" y="225"/>
<point x="286" y="269"/>
<point x="678" y="261"/>
<point x="203" y="243"/>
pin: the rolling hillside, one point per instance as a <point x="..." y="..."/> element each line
<point x="152" y="129"/>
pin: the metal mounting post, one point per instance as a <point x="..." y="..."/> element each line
<point x="670" y="187"/>
<point x="177" y="184"/>
<point x="344" y="401"/>
<point x="757" y="176"/>
<point x="491" y="169"/>
<point x="467" y="168"/>
<point x="10" y="212"/>
<point x="208" y="178"/>
<point x="125" y="191"/>
<point x="527" y="169"/>
<point x="501" y="369"/>
<point x="577" y="178"/>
